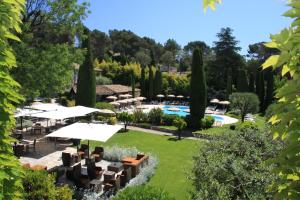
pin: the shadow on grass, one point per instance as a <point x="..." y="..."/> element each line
<point x="174" y="139"/>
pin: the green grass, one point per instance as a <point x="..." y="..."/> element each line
<point x="175" y="158"/>
<point x="218" y="131"/>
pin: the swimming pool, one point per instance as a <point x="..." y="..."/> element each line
<point x="184" y="111"/>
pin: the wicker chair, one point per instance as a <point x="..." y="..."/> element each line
<point x="83" y="150"/>
<point x="80" y="180"/>
<point x="67" y="159"/>
<point x="93" y="171"/>
<point x="98" y="154"/>
<point x="19" y="150"/>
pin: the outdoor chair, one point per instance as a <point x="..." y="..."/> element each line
<point x="93" y="171"/>
<point x="98" y="154"/>
<point x="67" y="159"/>
<point x="19" y="150"/>
<point x="112" y="185"/>
<point x="125" y="177"/>
<point x="83" y="150"/>
<point x="80" y="180"/>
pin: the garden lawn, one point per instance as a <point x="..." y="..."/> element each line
<point x="219" y="131"/>
<point x="175" y="158"/>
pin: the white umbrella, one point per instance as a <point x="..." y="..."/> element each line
<point x="171" y="96"/>
<point x="67" y="112"/>
<point x="141" y="98"/>
<point x="115" y="103"/>
<point x="125" y="96"/>
<point x="106" y="112"/>
<point x="209" y="111"/>
<point x="87" y="131"/>
<point x="160" y="96"/>
<point x="214" y="101"/>
<point x="224" y="102"/>
<point x="111" y="97"/>
<point x="46" y="106"/>
<point x="180" y="96"/>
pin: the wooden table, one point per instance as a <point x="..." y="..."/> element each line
<point x="109" y="175"/>
<point x="115" y="167"/>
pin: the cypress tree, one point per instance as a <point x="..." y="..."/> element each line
<point x="260" y="88"/>
<point x="198" y="95"/>
<point x="157" y="82"/>
<point x="242" y="84"/>
<point x="150" y="83"/>
<point x="86" y="84"/>
<point x="269" y="88"/>
<point x="229" y="82"/>
<point x="251" y="82"/>
<point x="143" y="83"/>
<point x="133" y="84"/>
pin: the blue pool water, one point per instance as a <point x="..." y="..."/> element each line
<point x="182" y="112"/>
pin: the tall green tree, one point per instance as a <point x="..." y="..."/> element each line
<point x="10" y="170"/>
<point x="86" y="84"/>
<point x="260" y="88"/>
<point x="229" y="83"/>
<point x="269" y="88"/>
<point x="100" y="43"/>
<point x="143" y="82"/>
<point x="227" y="57"/>
<point x="132" y="84"/>
<point x="157" y="82"/>
<point x="150" y="92"/>
<point x="48" y="32"/>
<point x="172" y="46"/>
<point x="198" y="96"/>
<point x="242" y="83"/>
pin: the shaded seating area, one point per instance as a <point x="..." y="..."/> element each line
<point x="108" y="180"/>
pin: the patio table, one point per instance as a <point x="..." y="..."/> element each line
<point x="115" y="167"/>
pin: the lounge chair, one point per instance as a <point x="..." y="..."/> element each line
<point x="93" y="171"/>
<point x="19" y="150"/>
<point x="98" y="154"/>
<point x="83" y="150"/>
<point x="113" y="185"/>
<point x="74" y="174"/>
<point x="67" y="159"/>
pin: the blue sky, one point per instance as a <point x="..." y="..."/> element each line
<point x="184" y="20"/>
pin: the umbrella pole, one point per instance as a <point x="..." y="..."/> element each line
<point x="88" y="148"/>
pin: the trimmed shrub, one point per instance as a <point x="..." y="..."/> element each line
<point x="143" y="192"/>
<point x="139" y="116"/>
<point x="247" y="125"/>
<point x="126" y="118"/>
<point x="40" y="185"/>
<point x="105" y="105"/>
<point x="207" y="122"/>
<point x="180" y="124"/>
<point x="155" y="116"/>
<point x="112" y="120"/>
<point x="168" y="119"/>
